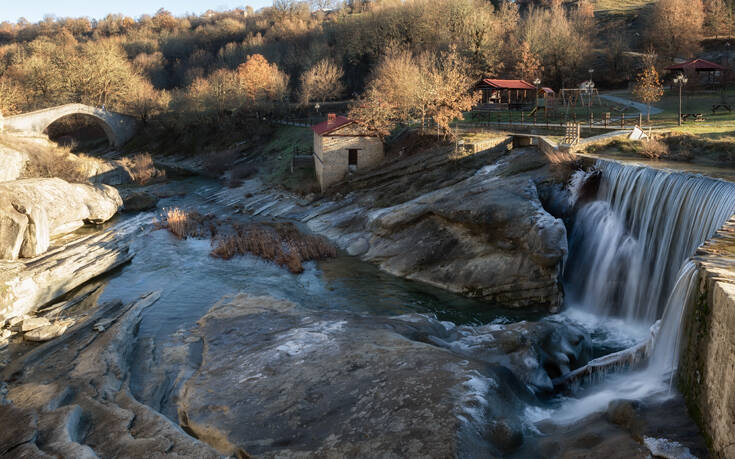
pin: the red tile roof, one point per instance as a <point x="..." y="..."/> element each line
<point x="325" y="127"/>
<point x="698" y="65"/>
<point x="508" y="84"/>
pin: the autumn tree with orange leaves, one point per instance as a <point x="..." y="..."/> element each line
<point x="648" y="88"/>
<point x="262" y="83"/>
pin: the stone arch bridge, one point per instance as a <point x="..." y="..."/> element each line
<point x="118" y="127"/>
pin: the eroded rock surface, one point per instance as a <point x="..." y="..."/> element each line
<point x="69" y="398"/>
<point x="278" y="380"/>
<point x="484" y="235"/>
<point x="28" y="284"/>
<point x="34" y="210"/>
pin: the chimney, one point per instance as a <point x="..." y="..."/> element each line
<point x="331" y="118"/>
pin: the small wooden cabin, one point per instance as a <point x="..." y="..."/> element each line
<point x="341" y="146"/>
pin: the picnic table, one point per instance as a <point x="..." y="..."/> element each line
<point x="693" y="116"/>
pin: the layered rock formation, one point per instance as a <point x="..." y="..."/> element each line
<point x="28" y="284"/>
<point x="280" y="380"/>
<point x="32" y="211"/>
<point x="475" y="225"/>
<point x="69" y="397"/>
<point x="485" y="235"/>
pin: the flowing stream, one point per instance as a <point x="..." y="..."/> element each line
<point x="628" y="268"/>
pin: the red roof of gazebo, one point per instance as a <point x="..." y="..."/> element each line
<point x="508" y="84"/>
<point x="698" y="65"/>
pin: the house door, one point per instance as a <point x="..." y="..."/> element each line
<point x="352" y="158"/>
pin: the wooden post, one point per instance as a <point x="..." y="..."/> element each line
<point x="622" y="120"/>
<point x="640" y="119"/>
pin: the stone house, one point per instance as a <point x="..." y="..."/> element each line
<point x="341" y="146"/>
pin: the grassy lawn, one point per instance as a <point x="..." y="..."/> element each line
<point x="692" y="102"/>
<point x="276" y="157"/>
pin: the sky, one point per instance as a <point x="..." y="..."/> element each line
<point x="35" y="10"/>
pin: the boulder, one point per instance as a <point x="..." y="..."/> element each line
<point x="33" y="323"/>
<point x="137" y="201"/>
<point x="280" y="380"/>
<point x="32" y="211"/>
<point x="12" y="163"/>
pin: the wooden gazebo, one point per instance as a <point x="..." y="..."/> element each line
<point x="713" y="72"/>
<point x="505" y="94"/>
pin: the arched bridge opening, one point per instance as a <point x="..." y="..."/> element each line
<point x="81" y="132"/>
<point x="118" y="128"/>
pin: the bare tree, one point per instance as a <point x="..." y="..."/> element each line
<point x="675" y="28"/>
<point x="716" y="17"/>
<point x="322" y="82"/>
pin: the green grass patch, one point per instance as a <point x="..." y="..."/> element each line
<point x="277" y="154"/>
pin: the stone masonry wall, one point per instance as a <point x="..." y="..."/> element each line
<point x="331" y="156"/>
<point x="707" y="365"/>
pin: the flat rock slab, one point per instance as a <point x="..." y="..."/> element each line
<point x="33" y="323"/>
<point x="27" y="285"/>
<point x="278" y="380"/>
<point x="46" y="333"/>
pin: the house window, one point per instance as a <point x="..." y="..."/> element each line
<point x="352" y="158"/>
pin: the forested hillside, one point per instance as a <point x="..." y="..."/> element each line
<point x="296" y="53"/>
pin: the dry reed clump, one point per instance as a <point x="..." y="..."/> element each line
<point x="280" y="243"/>
<point x="183" y="224"/>
<point x="141" y="167"/>
<point x="653" y="149"/>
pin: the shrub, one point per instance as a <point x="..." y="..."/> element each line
<point x="141" y="167"/>
<point x="183" y="224"/>
<point x="281" y="243"/>
<point x="653" y="149"/>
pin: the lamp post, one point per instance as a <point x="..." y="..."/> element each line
<point x="590" y="87"/>
<point x="680" y="80"/>
<point x="537" y="83"/>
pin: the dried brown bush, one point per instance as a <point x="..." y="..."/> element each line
<point x="653" y="149"/>
<point x="142" y="169"/>
<point x="46" y="160"/>
<point x="183" y="224"/>
<point x="281" y="243"/>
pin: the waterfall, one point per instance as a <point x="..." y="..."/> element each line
<point x="628" y="246"/>
<point x="664" y="359"/>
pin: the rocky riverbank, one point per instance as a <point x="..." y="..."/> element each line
<point x="476" y="225"/>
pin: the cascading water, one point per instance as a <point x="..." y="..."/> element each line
<point x="630" y="258"/>
<point x="627" y="248"/>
